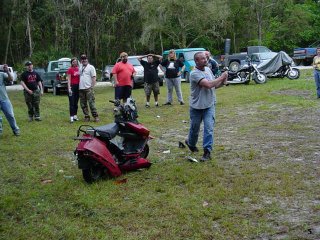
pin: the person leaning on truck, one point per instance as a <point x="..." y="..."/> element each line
<point x="87" y="82"/>
<point x="316" y="66"/>
<point x="32" y="85"/>
<point x="5" y="104"/>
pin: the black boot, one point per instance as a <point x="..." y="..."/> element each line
<point x="206" y="155"/>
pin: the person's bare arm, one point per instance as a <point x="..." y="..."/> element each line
<point x="218" y="82"/>
<point x="26" y="88"/>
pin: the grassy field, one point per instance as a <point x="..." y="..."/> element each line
<point x="263" y="181"/>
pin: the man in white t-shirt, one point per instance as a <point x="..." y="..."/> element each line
<point x="87" y="74"/>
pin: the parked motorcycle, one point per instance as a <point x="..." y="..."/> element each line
<point x="280" y="66"/>
<point x="246" y="73"/>
<point x="286" y="71"/>
<point x="110" y="150"/>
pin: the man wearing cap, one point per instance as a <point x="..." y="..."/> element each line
<point x="123" y="73"/>
<point x="5" y="104"/>
<point x="32" y="85"/>
<point x="87" y="82"/>
<point x="151" y="79"/>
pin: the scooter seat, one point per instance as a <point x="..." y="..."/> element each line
<point x="108" y="131"/>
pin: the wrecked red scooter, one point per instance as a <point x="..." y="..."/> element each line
<point x="110" y="150"/>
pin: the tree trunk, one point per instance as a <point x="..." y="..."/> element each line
<point x="29" y="27"/>
<point x="9" y="31"/>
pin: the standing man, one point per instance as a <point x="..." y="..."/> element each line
<point x="32" y="85"/>
<point x="316" y="72"/>
<point x="212" y="64"/>
<point x="202" y="104"/>
<point x="87" y="82"/>
<point x="151" y="78"/>
<point x="5" y="104"/>
<point x="123" y="73"/>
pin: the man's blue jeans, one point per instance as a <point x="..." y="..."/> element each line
<point x="7" y="109"/>
<point x="196" y="117"/>
<point x="317" y="80"/>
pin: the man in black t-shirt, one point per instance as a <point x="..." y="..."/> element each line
<point x="32" y="85"/>
<point x="151" y="79"/>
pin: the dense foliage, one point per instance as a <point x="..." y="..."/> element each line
<point x="42" y="30"/>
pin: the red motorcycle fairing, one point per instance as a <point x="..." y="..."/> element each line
<point x="100" y="154"/>
<point x="135" y="164"/>
<point x="138" y="128"/>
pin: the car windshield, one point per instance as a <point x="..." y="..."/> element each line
<point x="267" y="55"/>
<point x="189" y="55"/>
<point x="134" y="61"/>
<point x="64" y="65"/>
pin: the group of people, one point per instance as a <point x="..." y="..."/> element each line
<point x="202" y="87"/>
<point x="82" y="79"/>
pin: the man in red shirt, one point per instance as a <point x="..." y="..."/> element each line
<point x="123" y="73"/>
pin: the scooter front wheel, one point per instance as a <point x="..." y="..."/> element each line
<point x="145" y="151"/>
<point x="259" y="78"/>
<point x="92" y="174"/>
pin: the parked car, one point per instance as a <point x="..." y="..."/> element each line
<point x="107" y="73"/>
<point x="237" y="60"/>
<point x="55" y="75"/>
<point x="186" y="55"/>
<point x="13" y="74"/>
<point x="304" y="56"/>
<point x="262" y="57"/>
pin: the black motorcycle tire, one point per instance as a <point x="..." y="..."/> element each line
<point x="145" y="151"/>
<point x="259" y="78"/>
<point x="92" y="174"/>
<point x="293" y="74"/>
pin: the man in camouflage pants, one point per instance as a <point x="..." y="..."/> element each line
<point x="86" y="93"/>
<point x="32" y="85"/>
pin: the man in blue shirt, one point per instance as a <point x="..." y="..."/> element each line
<point x="5" y="104"/>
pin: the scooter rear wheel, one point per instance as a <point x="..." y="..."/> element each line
<point x="92" y="174"/>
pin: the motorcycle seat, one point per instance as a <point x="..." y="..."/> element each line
<point x="108" y="131"/>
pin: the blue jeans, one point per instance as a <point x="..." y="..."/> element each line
<point x="317" y="80"/>
<point x="7" y="109"/>
<point x="73" y="100"/>
<point x="196" y="117"/>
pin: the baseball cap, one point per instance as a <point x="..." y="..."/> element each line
<point x="28" y="63"/>
<point x="83" y="56"/>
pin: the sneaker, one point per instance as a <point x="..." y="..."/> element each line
<point x="17" y="133"/>
<point x="87" y="119"/>
<point x="192" y="149"/>
<point x="206" y="156"/>
<point x="96" y="119"/>
<point x="167" y="103"/>
<point x="157" y="104"/>
<point x="75" y="118"/>
<point x="147" y="105"/>
<point x="38" y="119"/>
<point x="181" y="103"/>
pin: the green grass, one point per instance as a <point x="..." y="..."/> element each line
<point x="263" y="181"/>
